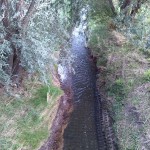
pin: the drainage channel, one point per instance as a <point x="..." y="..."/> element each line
<point x="84" y="130"/>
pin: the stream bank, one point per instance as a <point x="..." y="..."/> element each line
<point x="81" y="122"/>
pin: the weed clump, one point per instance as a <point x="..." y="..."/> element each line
<point x="40" y="97"/>
<point x="118" y="90"/>
<point x="146" y="76"/>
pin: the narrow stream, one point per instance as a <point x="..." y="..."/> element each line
<point x="82" y="131"/>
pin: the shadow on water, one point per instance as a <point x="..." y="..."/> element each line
<point x="81" y="132"/>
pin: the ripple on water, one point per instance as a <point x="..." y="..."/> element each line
<point x="80" y="133"/>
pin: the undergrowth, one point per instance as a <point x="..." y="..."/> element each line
<point x="118" y="90"/>
<point x="25" y="121"/>
<point x="146" y="76"/>
<point x="124" y="83"/>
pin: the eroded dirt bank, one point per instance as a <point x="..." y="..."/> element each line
<point x="55" y="140"/>
<point x="66" y="124"/>
<point x="82" y="121"/>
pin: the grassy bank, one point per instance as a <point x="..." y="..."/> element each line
<point x="124" y="82"/>
<point x="26" y="118"/>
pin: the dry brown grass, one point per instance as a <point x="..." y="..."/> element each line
<point x="133" y="122"/>
<point x="131" y="113"/>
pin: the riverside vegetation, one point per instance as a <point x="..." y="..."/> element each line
<point x="118" y="33"/>
<point x="26" y="119"/>
<point x="32" y="34"/>
<point x="120" y="44"/>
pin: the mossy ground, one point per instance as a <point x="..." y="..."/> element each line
<point x="25" y="121"/>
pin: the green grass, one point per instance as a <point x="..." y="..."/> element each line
<point x="22" y="122"/>
<point x="124" y="81"/>
<point x="33" y="138"/>
<point x="5" y="144"/>
<point x="31" y="119"/>
<point x="118" y="90"/>
<point x="40" y="96"/>
<point x="31" y="125"/>
<point x="146" y="76"/>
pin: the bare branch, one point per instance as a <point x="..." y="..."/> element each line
<point x="112" y="6"/>
<point x="28" y="15"/>
<point x="6" y="14"/>
<point x="19" y="5"/>
<point x="1" y="2"/>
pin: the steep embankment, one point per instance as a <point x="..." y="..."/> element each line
<point x="123" y="82"/>
<point x="89" y="124"/>
<point x="27" y="116"/>
<point x="81" y="122"/>
<point x="55" y="140"/>
<point x="81" y="130"/>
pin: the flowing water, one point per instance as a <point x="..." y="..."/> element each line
<point x="82" y="132"/>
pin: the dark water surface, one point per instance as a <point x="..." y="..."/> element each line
<point x="80" y="133"/>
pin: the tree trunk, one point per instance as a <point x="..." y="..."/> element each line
<point x="14" y="68"/>
<point x="125" y="4"/>
<point x="112" y="6"/>
<point x="136" y="7"/>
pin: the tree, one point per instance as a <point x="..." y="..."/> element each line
<point x="133" y="21"/>
<point x="14" y="21"/>
<point x="135" y="5"/>
<point x="30" y="32"/>
<point x="112" y="6"/>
